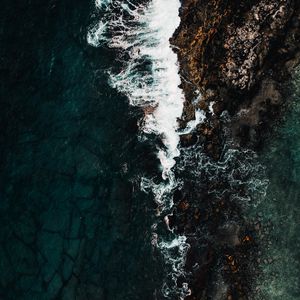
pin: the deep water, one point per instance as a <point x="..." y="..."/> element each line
<point x="73" y="223"/>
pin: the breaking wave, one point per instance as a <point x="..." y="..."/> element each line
<point x="146" y="72"/>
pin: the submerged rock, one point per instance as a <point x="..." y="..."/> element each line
<point x="235" y="57"/>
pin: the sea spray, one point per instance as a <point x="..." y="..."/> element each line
<point x="147" y="73"/>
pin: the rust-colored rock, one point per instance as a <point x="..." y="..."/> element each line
<point x="233" y="57"/>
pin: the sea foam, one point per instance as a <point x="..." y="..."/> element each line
<point x="149" y="77"/>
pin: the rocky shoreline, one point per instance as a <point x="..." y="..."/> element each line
<point x="235" y="60"/>
<point x="237" y="56"/>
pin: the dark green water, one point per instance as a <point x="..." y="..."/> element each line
<point x="72" y="222"/>
<point x="280" y="209"/>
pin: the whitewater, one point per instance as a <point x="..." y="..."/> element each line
<point x="149" y="77"/>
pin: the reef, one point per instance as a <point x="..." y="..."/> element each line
<point x="235" y="59"/>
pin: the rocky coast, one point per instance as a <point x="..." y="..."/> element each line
<point x="236" y="59"/>
<point x="94" y="166"/>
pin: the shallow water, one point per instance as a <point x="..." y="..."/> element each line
<point x="280" y="209"/>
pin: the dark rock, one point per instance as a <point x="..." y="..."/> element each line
<point x="237" y="55"/>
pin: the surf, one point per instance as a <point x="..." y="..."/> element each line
<point x="148" y="76"/>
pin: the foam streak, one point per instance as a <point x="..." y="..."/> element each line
<point x="149" y="78"/>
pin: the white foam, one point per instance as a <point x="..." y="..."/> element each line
<point x="174" y="251"/>
<point x="95" y="35"/>
<point x="210" y="108"/>
<point x="191" y="125"/>
<point x="142" y="32"/>
<point x="158" y="87"/>
<point x="102" y="3"/>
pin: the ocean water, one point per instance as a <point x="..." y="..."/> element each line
<point x="279" y="212"/>
<point x="89" y="157"/>
<point x="89" y="109"/>
<point x="74" y="223"/>
<point x="146" y="72"/>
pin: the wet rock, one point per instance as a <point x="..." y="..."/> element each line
<point x="229" y="235"/>
<point x="236" y="54"/>
<point x="187" y="140"/>
<point x="235" y="75"/>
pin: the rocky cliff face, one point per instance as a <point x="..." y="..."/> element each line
<point x="235" y="58"/>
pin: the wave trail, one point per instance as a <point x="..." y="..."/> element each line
<point x="147" y="73"/>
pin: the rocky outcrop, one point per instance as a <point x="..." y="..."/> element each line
<point x="236" y="55"/>
<point x="235" y="58"/>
